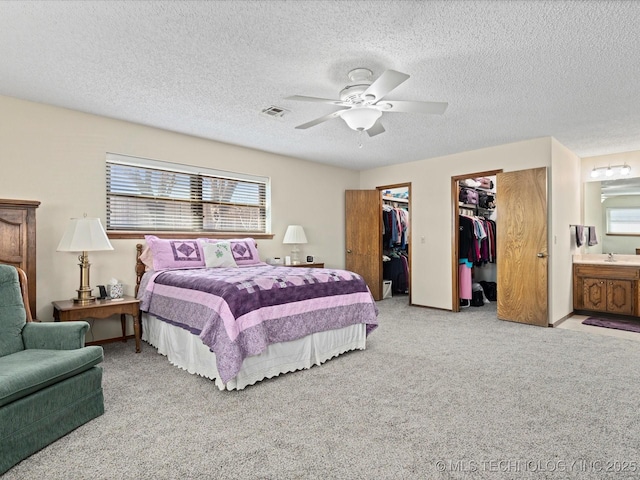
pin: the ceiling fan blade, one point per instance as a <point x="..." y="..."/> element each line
<point x="321" y="119"/>
<point x="412" y="107"/>
<point x="386" y="82"/>
<point x="302" y="98"/>
<point x="376" y="129"/>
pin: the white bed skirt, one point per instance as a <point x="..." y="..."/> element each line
<point x="187" y="351"/>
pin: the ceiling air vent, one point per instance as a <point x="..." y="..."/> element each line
<point x="274" y="112"/>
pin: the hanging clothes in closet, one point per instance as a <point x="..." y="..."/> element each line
<point x="395" y="227"/>
<point x="395" y="244"/>
<point x="477" y="246"/>
<point x="477" y="240"/>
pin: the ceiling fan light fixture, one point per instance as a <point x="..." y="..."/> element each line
<point x="362" y="118"/>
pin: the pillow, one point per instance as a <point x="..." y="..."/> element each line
<point x="175" y="253"/>
<point x="244" y="250"/>
<point x="218" y="255"/>
<point x="146" y="257"/>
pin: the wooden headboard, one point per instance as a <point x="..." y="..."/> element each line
<point x="140" y="267"/>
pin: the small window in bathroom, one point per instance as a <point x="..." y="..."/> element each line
<point x="623" y="221"/>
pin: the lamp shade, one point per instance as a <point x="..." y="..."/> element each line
<point x="294" y="235"/>
<point x="361" y="118"/>
<point x="84" y="235"/>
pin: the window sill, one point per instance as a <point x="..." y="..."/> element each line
<point x="124" y="234"/>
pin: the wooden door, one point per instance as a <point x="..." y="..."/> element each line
<point x="364" y="237"/>
<point x="522" y="253"/>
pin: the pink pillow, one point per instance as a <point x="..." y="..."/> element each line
<point x="245" y="251"/>
<point x="175" y="253"/>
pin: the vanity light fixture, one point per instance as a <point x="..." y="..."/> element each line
<point x="610" y="170"/>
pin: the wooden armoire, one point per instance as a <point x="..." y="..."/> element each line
<point x="18" y="240"/>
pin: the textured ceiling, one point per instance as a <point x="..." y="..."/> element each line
<point x="510" y="70"/>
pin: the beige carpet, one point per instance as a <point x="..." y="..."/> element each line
<point x="435" y="396"/>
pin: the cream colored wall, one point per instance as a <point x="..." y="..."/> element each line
<point x="57" y="156"/>
<point x="592" y="214"/>
<point x="565" y="209"/>
<point x="432" y="216"/>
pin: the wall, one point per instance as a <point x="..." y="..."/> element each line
<point x="565" y="209"/>
<point x="57" y="156"/>
<point x="592" y="215"/>
<point x="432" y="216"/>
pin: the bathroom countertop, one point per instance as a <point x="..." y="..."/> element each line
<point x="603" y="258"/>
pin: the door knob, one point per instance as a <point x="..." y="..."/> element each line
<point x="541" y="255"/>
<point x="348" y="251"/>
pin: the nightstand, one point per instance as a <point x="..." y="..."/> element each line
<point x="67" y="311"/>
<point x="308" y="265"/>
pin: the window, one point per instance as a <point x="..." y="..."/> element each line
<point x="623" y="221"/>
<point x="151" y="196"/>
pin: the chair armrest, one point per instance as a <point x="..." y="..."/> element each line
<point x="54" y="335"/>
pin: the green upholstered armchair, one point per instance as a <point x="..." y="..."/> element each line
<point x="50" y="383"/>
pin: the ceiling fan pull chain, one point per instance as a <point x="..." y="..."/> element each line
<point x="360" y="138"/>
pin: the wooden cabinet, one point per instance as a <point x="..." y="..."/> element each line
<point x="18" y="240"/>
<point x="606" y="288"/>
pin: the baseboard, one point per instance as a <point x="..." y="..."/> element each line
<point x="560" y="320"/>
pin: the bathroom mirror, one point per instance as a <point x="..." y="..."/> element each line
<point x="598" y="196"/>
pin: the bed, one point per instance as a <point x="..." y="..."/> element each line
<point x="239" y="320"/>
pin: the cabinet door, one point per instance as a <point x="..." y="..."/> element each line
<point x="13" y="237"/>
<point x="619" y="296"/>
<point x="594" y="294"/>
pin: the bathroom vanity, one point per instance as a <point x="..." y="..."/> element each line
<point x="606" y="284"/>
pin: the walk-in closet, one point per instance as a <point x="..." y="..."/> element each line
<point x="395" y="241"/>
<point x="476" y="242"/>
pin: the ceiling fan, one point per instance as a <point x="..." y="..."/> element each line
<point x="362" y="102"/>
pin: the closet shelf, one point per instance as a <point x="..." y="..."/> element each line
<point x="395" y="199"/>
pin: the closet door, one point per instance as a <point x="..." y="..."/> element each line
<point x="522" y="253"/>
<point x="363" y="214"/>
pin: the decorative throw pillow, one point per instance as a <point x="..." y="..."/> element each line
<point x="244" y="250"/>
<point x="175" y="253"/>
<point x="218" y="255"/>
<point x="146" y="257"/>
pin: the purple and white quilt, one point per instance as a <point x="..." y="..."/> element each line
<point x="238" y="312"/>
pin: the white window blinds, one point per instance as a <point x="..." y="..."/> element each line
<point x="623" y="220"/>
<point x="147" y="195"/>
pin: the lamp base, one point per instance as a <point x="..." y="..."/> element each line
<point x="295" y="255"/>
<point x="84" y="301"/>
<point x="84" y="292"/>
<point x="84" y="298"/>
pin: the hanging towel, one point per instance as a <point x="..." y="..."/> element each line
<point x="593" y="240"/>
<point x="579" y="235"/>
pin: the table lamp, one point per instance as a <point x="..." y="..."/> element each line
<point x="84" y="235"/>
<point x="295" y="236"/>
